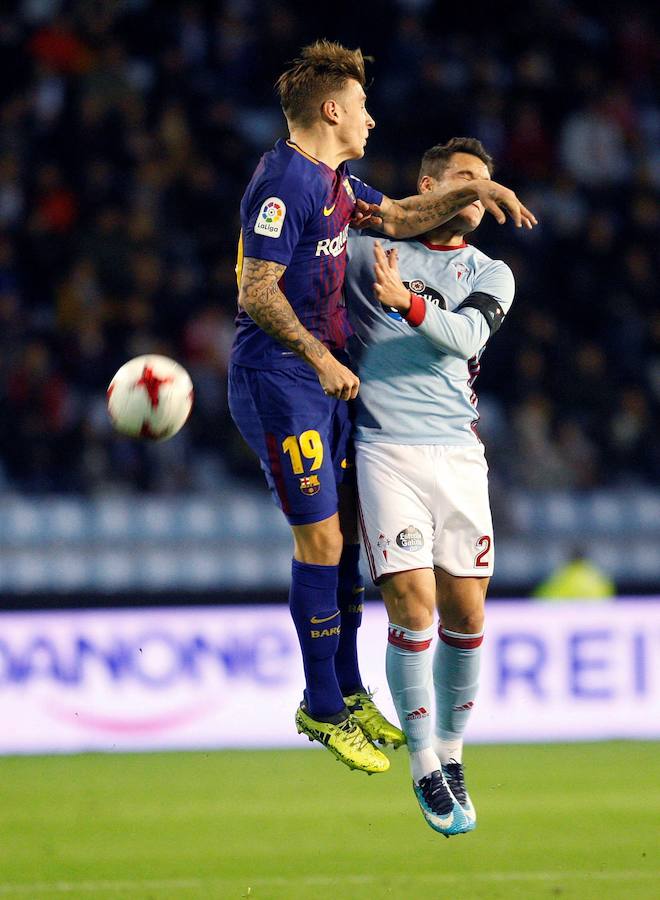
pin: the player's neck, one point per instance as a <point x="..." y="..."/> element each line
<point x="445" y="237"/>
<point x="320" y="145"/>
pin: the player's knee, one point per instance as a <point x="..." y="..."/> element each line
<point x="413" y="619"/>
<point x="319" y="544"/>
<point x="464" y="621"/>
<point x="407" y="604"/>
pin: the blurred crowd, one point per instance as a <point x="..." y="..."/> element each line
<point x="130" y="129"/>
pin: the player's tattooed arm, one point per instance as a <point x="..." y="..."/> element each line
<point x="423" y="212"/>
<point x="262" y="299"/>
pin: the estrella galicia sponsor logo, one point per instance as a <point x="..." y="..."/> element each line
<point x="430" y="294"/>
<point x="410" y="538"/>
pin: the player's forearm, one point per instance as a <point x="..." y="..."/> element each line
<point x="262" y="299"/>
<point x="457" y="334"/>
<point x="423" y="212"/>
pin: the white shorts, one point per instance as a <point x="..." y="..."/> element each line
<point x="424" y="506"/>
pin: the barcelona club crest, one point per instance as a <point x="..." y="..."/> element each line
<point x="349" y="189"/>
<point x="310" y="485"/>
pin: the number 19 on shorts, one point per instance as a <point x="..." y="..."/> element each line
<point x="308" y="445"/>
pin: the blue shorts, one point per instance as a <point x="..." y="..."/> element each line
<point x="301" y="436"/>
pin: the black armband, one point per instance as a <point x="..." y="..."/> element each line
<point x="488" y="306"/>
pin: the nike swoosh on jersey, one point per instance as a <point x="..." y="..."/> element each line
<point x="329" y="212"/>
<point x="316" y="621"/>
<point x="357" y="590"/>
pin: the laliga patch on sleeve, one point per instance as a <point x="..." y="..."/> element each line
<point x="271" y="218"/>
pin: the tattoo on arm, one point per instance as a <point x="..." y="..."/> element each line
<point x="264" y="302"/>
<point x="421" y="212"/>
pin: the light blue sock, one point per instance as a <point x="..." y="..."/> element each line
<point x="456" y="664"/>
<point x="408" y="668"/>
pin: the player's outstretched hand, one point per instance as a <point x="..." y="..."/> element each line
<point x="337" y="380"/>
<point x="499" y="200"/>
<point x="388" y="287"/>
<point x="366" y="215"/>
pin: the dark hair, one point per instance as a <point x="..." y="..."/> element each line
<point x="321" y="68"/>
<point x="436" y="159"/>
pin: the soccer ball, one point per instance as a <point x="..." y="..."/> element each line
<point x="150" y="397"/>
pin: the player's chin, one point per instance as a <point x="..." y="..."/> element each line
<point x="470" y="218"/>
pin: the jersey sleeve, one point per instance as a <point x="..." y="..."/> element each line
<point x="274" y="217"/>
<point x="363" y="192"/>
<point x="464" y="333"/>
<point x="496" y="279"/>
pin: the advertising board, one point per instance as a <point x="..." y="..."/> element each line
<point x="204" y="677"/>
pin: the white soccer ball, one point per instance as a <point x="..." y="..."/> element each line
<point x="150" y="397"/>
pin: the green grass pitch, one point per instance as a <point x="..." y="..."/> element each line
<point x="568" y="821"/>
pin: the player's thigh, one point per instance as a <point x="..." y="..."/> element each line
<point x="463" y="544"/>
<point x="293" y="426"/>
<point x="460" y="601"/>
<point x="409" y="598"/>
<point x="396" y="523"/>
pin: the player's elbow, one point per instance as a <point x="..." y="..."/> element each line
<point x="464" y="351"/>
<point x="462" y="346"/>
<point x="470" y="348"/>
<point x="471" y="336"/>
<point x="246" y="302"/>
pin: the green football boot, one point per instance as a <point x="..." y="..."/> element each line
<point x="371" y="720"/>
<point x="345" y="740"/>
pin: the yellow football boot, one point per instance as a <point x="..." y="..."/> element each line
<point x="371" y="720"/>
<point x="345" y="739"/>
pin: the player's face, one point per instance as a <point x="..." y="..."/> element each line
<point x="463" y="168"/>
<point x="354" y="123"/>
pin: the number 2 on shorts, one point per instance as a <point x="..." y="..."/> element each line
<point x="309" y="445"/>
<point x="483" y="542"/>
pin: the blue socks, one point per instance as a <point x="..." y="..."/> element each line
<point x="350" y="598"/>
<point x="313" y="606"/>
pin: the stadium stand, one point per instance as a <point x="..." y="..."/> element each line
<point x="128" y="133"/>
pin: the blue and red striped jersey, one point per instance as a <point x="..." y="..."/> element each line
<point x="296" y="211"/>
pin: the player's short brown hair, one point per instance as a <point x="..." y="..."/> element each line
<point x="321" y="68"/>
<point x="436" y="159"/>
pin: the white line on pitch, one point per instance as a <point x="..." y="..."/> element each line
<point x="64" y="887"/>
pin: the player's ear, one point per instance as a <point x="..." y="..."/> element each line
<point x="425" y="184"/>
<point x="330" y="111"/>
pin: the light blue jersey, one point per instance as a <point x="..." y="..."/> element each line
<point x="416" y="382"/>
